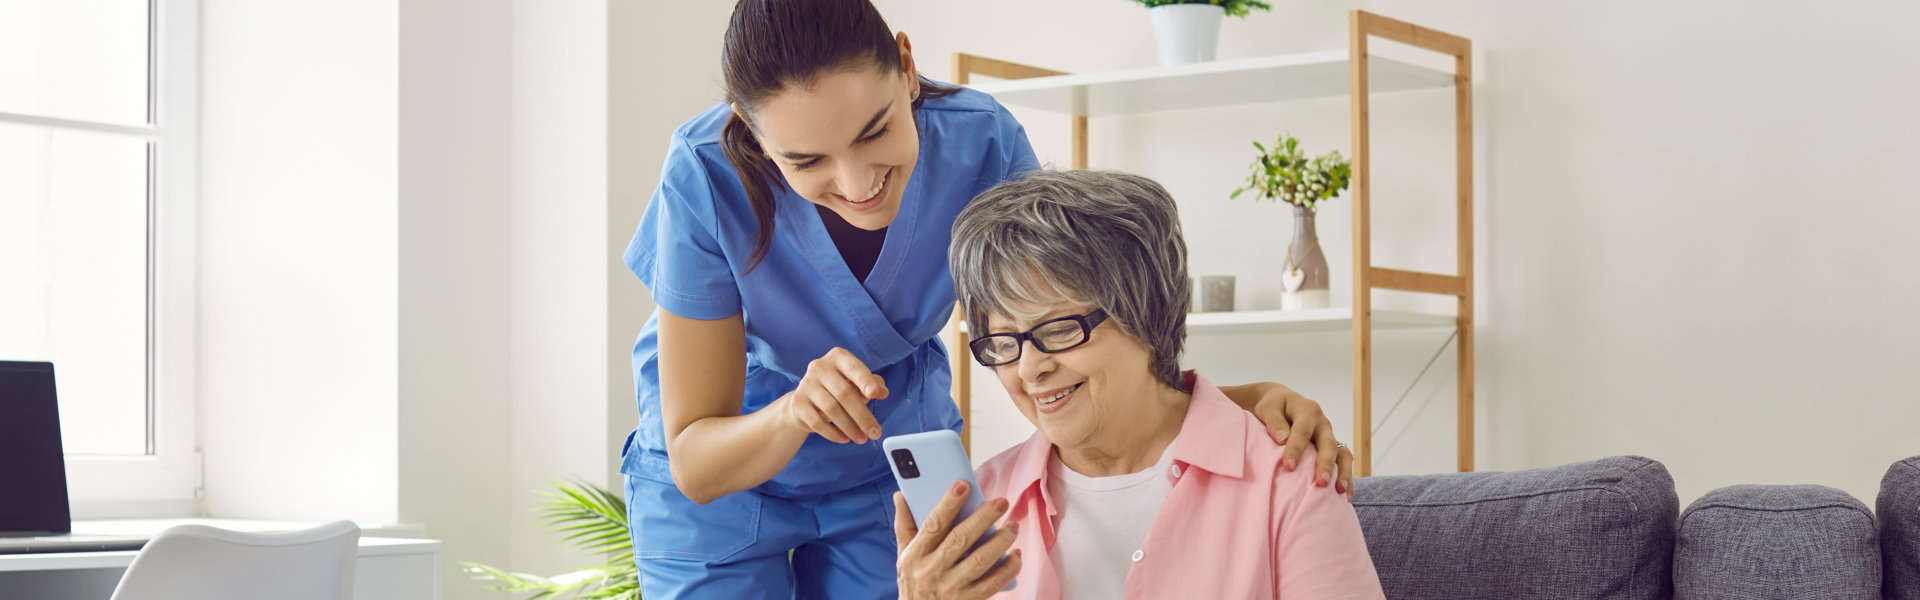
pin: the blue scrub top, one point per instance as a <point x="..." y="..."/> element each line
<point x="692" y="251"/>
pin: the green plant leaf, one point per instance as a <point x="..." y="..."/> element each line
<point x="506" y="581"/>
<point x="592" y="520"/>
<point x="1233" y="8"/>
<point x="1282" y="173"/>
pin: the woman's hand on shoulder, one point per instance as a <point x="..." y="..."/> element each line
<point x="934" y="560"/>
<point x="832" y="397"/>
<point x="1296" y="421"/>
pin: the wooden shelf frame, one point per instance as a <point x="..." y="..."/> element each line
<point x="1366" y="276"/>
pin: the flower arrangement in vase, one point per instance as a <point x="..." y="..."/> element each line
<point x="1283" y="173"/>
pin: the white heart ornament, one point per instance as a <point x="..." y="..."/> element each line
<point x="1292" y="279"/>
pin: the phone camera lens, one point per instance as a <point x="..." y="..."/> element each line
<point x="903" y="460"/>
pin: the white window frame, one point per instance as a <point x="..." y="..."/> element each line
<point x="163" y="482"/>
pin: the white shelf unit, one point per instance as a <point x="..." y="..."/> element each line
<point x="1271" y="322"/>
<point x="1355" y="73"/>
<point x="1262" y="80"/>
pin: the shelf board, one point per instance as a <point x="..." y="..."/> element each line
<point x="1308" y="320"/>
<point x="1265" y="79"/>
<point x="1303" y="321"/>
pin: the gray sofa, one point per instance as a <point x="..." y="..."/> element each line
<point x="1613" y="528"/>
<point x="1899" y="516"/>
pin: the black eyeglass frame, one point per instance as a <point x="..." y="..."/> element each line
<point x="1087" y="323"/>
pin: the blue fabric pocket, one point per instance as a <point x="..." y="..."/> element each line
<point x="666" y="524"/>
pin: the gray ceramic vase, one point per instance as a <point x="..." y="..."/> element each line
<point x="1304" y="281"/>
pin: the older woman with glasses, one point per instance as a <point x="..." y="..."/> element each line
<point x="1143" y="481"/>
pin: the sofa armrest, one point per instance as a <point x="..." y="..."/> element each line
<point x="1899" y="513"/>
<point x="1762" y="542"/>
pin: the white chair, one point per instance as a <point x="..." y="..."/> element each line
<point x="207" y="563"/>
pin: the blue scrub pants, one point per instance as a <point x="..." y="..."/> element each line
<point x="736" y="546"/>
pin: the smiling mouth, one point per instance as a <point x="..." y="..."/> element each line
<point x="873" y="195"/>
<point x="1058" y="396"/>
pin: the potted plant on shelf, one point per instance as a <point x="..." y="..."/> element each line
<point x="1283" y="173"/>
<point x="1188" y="31"/>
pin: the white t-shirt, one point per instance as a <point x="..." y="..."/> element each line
<point x="1103" y="520"/>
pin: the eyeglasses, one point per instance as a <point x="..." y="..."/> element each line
<point x="1057" y="335"/>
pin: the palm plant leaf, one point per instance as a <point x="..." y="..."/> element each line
<point x="591" y="520"/>
<point x="507" y="581"/>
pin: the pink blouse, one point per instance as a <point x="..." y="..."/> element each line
<point x="1235" y="525"/>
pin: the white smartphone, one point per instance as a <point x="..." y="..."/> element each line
<point x="926" y="465"/>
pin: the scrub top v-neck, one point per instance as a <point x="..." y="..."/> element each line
<point x="692" y="250"/>
<point x="858" y="247"/>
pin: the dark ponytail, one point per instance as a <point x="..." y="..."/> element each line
<point x="773" y="44"/>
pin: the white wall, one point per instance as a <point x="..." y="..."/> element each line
<point x="405" y="269"/>
<point x="559" y="293"/>
<point x="298" y="325"/>
<point x="1690" y="241"/>
<point x="455" y="261"/>
<point x="1698" y="243"/>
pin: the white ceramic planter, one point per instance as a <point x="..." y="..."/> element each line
<point x="1186" y="33"/>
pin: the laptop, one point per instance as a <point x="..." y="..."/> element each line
<point x="34" y="516"/>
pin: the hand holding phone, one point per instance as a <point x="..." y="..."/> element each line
<point x="948" y="545"/>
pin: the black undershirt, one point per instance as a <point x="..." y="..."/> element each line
<point x="859" y="247"/>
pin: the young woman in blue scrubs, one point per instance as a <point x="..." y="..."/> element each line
<point x="796" y="248"/>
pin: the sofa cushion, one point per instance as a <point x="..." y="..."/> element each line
<point x="1762" y="542"/>
<point x="1595" y="529"/>
<point x="1899" y="512"/>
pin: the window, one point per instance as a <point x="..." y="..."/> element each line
<point x="97" y="149"/>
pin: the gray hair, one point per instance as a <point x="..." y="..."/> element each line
<point x="1105" y="238"/>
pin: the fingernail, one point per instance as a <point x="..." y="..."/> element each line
<point x="1287" y="462"/>
<point x="999" y="503"/>
<point x="1281" y="437"/>
<point x="1325" y="477"/>
<point x="874" y="433"/>
<point x="959" y="487"/>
